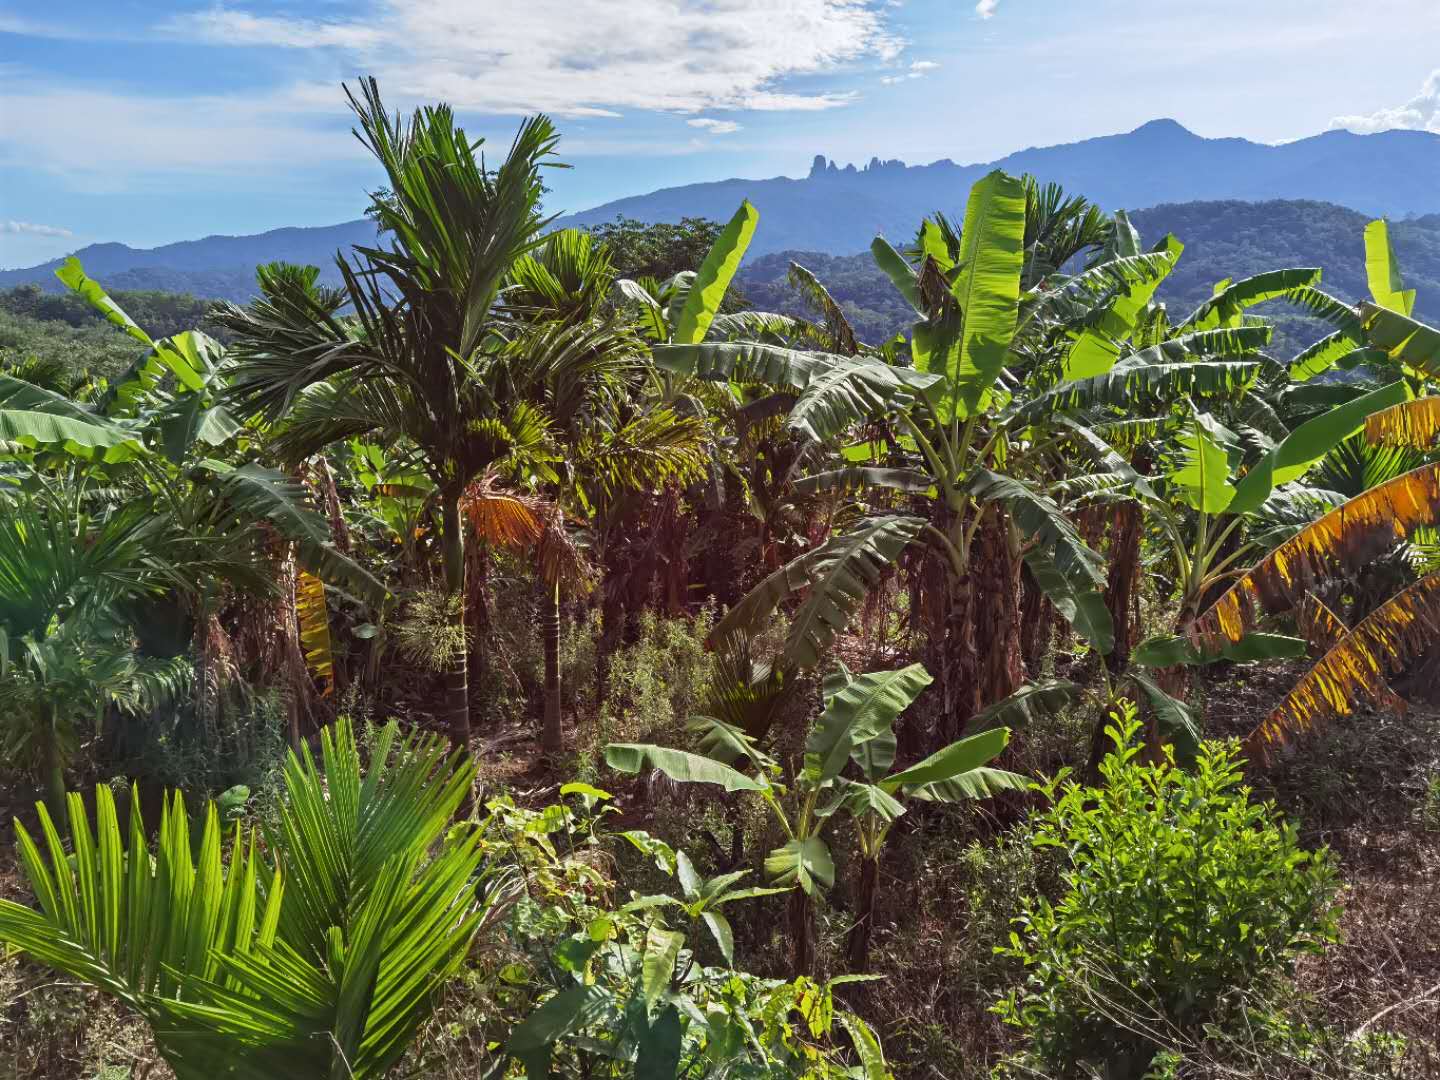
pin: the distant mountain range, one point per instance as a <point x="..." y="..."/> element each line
<point x="220" y="267"/>
<point x="837" y="211"/>
<point x="840" y="210"/>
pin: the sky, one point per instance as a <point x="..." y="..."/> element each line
<point x="151" y="121"/>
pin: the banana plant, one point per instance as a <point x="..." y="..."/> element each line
<point x="703" y="901"/>
<point x="317" y="953"/>
<point x="968" y="438"/>
<point x="857" y="725"/>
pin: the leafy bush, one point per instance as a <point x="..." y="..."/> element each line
<point x="1179" y="891"/>
<point x="592" y="982"/>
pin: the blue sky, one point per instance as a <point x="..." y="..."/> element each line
<point x="149" y="121"/>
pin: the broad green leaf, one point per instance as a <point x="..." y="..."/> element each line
<point x="932" y="244"/>
<point x="565" y="1012"/>
<point x="1230" y="301"/>
<point x="1382" y="271"/>
<point x="1171" y="651"/>
<point x="806" y="863"/>
<point x="1308" y="443"/>
<point x="719" y="927"/>
<point x="662" y="950"/>
<point x="714" y="276"/>
<point x="682" y="767"/>
<point x="82" y="439"/>
<point x="866" y="707"/>
<point x="959" y="757"/>
<point x="1026" y="705"/>
<point x="685" y="873"/>
<point x="840" y="574"/>
<point x="867" y="1047"/>
<point x="658" y="1055"/>
<point x="1142" y="382"/>
<point x="1402" y="338"/>
<point x="901" y="273"/>
<point x="1176" y="720"/>
<point x="973" y="784"/>
<point x="1204" y="473"/>
<point x="74" y="277"/>
<point x="1325" y="354"/>
<point x="862" y="800"/>
<point x="1038" y="518"/>
<point x="987" y="287"/>
<point x="1098" y="347"/>
<point x="1082" y="606"/>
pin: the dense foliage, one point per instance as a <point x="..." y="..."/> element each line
<point x="755" y="635"/>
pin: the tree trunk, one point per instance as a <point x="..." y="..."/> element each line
<point x="552" y="732"/>
<point x="995" y="571"/>
<point x="857" y="946"/>
<point x="52" y="773"/>
<point x="457" y="679"/>
<point x="802" y="933"/>
<point x="1037" y="623"/>
<point x="1124" y="574"/>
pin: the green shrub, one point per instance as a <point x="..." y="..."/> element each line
<point x="1179" y="891"/>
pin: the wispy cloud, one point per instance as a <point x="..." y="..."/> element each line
<point x="103" y="138"/>
<point x="1420" y="113"/>
<point x="918" y="70"/>
<point x="986" y="8"/>
<point x="584" y="57"/>
<point x="29" y="228"/>
<point x="715" y="127"/>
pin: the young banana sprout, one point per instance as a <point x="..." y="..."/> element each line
<point x="855" y="729"/>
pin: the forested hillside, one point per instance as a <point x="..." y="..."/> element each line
<point x="1222" y="240"/>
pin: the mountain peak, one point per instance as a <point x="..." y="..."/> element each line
<point x="1164" y="126"/>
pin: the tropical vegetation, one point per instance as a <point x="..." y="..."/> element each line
<point x="535" y="657"/>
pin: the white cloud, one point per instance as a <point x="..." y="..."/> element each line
<point x="715" y="127"/>
<point x="222" y="25"/>
<point x="918" y="70"/>
<point x="583" y="57"/>
<point x="1420" y="113"/>
<point x="29" y="228"/>
<point x="986" y="8"/>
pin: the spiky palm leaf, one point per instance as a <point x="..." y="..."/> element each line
<point x="323" y="964"/>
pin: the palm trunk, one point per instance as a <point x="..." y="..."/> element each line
<point x="552" y="733"/>
<point x="802" y="935"/>
<point x="457" y="681"/>
<point x="52" y="773"/>
<point x="1120" y="584"/>
<point x="858" y="944"/>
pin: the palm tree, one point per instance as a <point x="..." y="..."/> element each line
<point x="316" y="954"/>
<point x="430" y="355"/>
